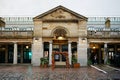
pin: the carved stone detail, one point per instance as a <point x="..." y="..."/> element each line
<point x="58" y="14"/>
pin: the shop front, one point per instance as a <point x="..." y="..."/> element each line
<point x="15" y="53"/>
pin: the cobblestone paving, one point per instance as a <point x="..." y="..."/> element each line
<point x="37" y="73"/>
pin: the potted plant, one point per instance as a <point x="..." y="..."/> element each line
<point x="74" y="62"/>
<point x="108" y="62"/>
<point x="89" y="62"/>
<point x="44" y="62"/>
<point x="41" y="62"/>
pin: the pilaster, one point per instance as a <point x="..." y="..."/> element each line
<point x="38" y="28"/>
<point x="82" y="52"/>
<point x="82" y="28"/>
<point x="37" y="51"/>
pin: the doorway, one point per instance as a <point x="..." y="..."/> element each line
<point x="60" y="46"/>
<point x="2" y="53"/>
<point x="24" y="53"/>
<point x="27" y="54"/>
<point x="2" y="56"/>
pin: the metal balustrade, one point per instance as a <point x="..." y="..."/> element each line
<point x="95" y="32"/>
<point x="16" y="32"/>
<point x="16" y="28"/>
<point x="92" y="32"/>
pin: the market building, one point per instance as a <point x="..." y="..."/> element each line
<point x="27" y="39"/>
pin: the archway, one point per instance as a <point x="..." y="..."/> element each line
<point x="60" y="31"/>
<point x="60" y="47"/>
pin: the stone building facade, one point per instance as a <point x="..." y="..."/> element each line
<point x="27" y="39"/>
<point x="60" y="22"/>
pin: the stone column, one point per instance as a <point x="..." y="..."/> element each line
<point x="69" y="51"/>
<point x="105" y="53"/>
<point x="31" y="51"/>
<point x="15" y="53"/>
<point x="82" y="52"/>
<point x="78" y="48"/>
<point x="50" y="52"/>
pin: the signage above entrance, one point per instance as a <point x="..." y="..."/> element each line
<point x="60" y="41"/>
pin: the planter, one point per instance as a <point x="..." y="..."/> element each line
<point x="76" y="65"/>
<point x="89" y="62"/>
<point x="41" y="66"/>
<point x="44" y="62"/>
<point x="45" y="65"/>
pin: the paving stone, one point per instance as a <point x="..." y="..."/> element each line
<point x="37" y="73"/>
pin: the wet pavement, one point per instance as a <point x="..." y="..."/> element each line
<point x="112" y="73"/>
<point x="28" y="72"/>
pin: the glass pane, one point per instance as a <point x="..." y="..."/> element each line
<point x="64" y="48"/>
<point x="56" y="48"/>
<point x="57" y="57"/>
<point x="63" y="58"/>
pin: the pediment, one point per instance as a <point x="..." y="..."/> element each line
<point x="60" y="12"/>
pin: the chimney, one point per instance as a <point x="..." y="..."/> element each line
<point x="2" y="23"/>
<point x="107" y="23"/>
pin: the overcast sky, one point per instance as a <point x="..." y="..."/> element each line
<point x="33" y="8"/>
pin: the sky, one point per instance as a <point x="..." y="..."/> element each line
<point x="32" y="8"/>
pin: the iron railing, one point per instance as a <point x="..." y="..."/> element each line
<point x="95" y="32"/>
<point x="16" y="32"/>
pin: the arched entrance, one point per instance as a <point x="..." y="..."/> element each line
<point x="60" y="48"/>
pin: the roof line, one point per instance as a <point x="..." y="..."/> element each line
<point x="60" y="7"/>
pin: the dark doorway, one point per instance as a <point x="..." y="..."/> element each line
<point x="46" y="49"/>
<point x="94" y="56"/>
<point x="2" y="56"/>
<point x="2" y="53"/>
<point x="10" y="53"/>
<point x="27" y="54"/>
<point x="19" y="53"/>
